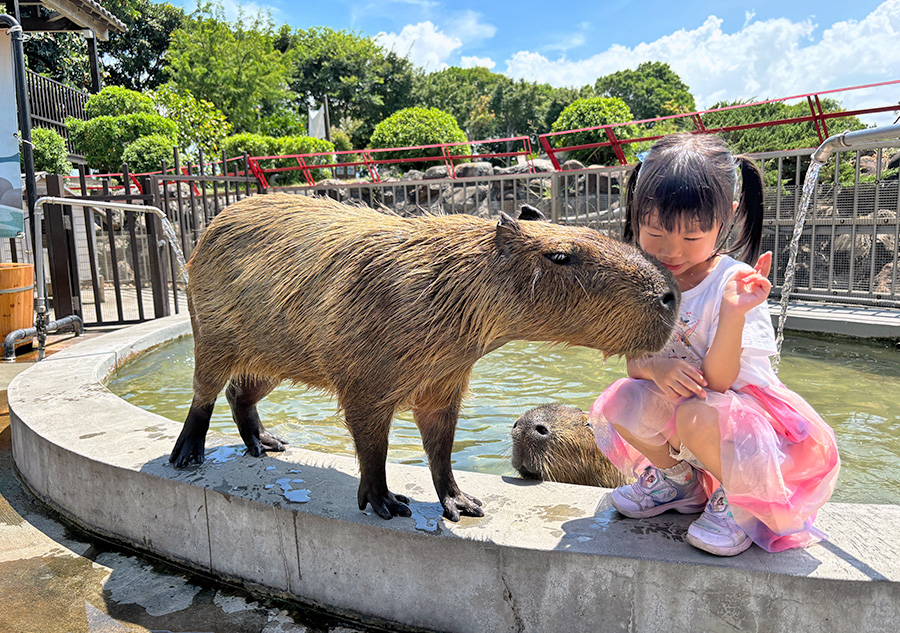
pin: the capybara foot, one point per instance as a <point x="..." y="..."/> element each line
<point x="387" y="505"/>
<point x="187" y="451"/>
<point x="464" y="504"/>
<point x="272" y="443"/>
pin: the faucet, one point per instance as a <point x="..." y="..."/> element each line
<point x="846" y="140"/>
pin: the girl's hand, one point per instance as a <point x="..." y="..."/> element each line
<point x="676" y="378"/>
<point x="746" y="290"/>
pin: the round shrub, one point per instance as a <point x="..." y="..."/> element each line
<point x="147" y="153"/>
<point x="103" y="139"/>
<point x="291" y="145"/>
<point x="117" y="101"/>
<point x="282" y="124"/>
<point x="592" y="112"/>
<point x="252" y="144"/>
<point x="50" y="153"/>
<point x="417" y="126"/>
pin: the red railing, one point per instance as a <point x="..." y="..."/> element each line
<point x="372" y="158"/>
<point x="816" y="115"/>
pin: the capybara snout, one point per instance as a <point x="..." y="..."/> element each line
<point x="555" y="442"/>
<point x="391" y="313"/>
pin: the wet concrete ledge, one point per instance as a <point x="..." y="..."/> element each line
<point x="546" y="557"/>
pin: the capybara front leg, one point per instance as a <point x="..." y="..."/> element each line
<point x="190" y="446"/>
<point x="437" y="427"/>
<point x="243" y="393"/>
<point x="369" y="427"/>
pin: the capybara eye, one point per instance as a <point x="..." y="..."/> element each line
<point x="563" y="259"/>
<point x="541" y="429"/>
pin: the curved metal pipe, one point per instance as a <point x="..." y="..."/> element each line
<point x="848" y="140"/>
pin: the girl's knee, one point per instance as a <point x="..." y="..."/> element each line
<point x="695" y="419"/>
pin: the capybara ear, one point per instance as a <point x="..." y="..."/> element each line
<point x="507" y="231"/>
<point x="528" y="212"/>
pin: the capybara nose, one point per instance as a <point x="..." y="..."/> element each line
<point x="669" y="302"/>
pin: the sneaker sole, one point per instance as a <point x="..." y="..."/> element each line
<point x="684" y="506"/>
<point x="719" y="551"/>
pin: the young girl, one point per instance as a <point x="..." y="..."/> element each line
<point x="706" y="420"/>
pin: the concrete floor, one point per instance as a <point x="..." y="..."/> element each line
<point x="54" y="579"/>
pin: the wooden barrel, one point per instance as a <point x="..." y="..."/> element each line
<point x="16" y="300"/>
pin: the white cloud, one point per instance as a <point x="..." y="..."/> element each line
<point x="427" y="45"/>
<point x="423" y="44"/>
<point x="769" y="59"/>
<point x="475" y="62"/>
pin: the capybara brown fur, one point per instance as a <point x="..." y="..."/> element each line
<point x="555" y="442"/>
<point x="391" y="313"/>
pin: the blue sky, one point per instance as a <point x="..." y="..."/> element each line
<point x="722" y="50"/>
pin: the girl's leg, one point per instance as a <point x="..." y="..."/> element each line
<point x="658" y="455"/>
<point x="697" y="426"/>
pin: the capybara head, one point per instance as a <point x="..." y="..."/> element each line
<point x="584" y="288"/>
<point x="555" y="442"/>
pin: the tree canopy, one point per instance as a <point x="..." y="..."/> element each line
<point x="651" y="91"/>
<point x="236" y="67"/>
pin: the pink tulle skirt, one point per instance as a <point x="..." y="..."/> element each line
<point x="779" y="458"/>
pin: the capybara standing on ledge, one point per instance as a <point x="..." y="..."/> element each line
<point x="555" y="442"/>
<point x="391" y="313"/>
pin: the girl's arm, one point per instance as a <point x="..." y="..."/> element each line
<point x="743" y="292"/>
<point x="676" y="378"/>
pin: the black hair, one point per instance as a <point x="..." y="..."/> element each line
<point x="691" y="179"/>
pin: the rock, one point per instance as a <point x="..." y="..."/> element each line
<point x="572" y="165"/>
<point x="474" y="170"/>
<point x="894" y="161"/>
<point x="436" y="172"/>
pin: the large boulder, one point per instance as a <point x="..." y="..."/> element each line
<point x="474" y="170"/>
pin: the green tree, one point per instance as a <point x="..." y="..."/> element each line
<point x="135" y="59"/>
<point x="521" y="107"/>
<point x="117" y="101"/>
<point x="466" y="93"/>
<point x="585" y="113"/>
<point x="199" y="123"/>
<point x="362" y="81"/>
<point x="59" y="56"/>
<point x="418" y="126"/>
<point x="651" y="91"/>
<point x="233" y="66"/>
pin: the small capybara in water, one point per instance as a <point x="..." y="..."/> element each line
<point x="555" y="442"/>
<point x="391" y="313"/>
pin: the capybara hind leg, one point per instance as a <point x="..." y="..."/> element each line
<point x="437" y="427"/>
<point x="190" y="446"/>
<point x="369" y="427"/>
<point x="243" y="393"/>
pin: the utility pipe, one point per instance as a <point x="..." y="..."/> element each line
<point x="847" y="140"/>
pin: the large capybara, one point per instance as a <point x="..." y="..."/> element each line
<point x="391" y="313"/>
<point x="555" y="442"/>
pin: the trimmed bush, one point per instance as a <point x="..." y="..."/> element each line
<point x="592" y="112"/>
<point x="103" y="139"/>
<point x="418" y="126"/>
<point x="117" y="101"/>
<point x="50" y="153"/>
<point x="147" y="153"/>
<point x="253" y="144"/>
<point x="289" y="145"/>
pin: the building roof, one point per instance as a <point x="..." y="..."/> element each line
<point x="75" y="15"/>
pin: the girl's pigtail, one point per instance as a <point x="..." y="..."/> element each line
<point x="750" y="209"/>
<point x="628" y="235"/>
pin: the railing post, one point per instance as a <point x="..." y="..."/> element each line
<point x="57" y="226"/>
<point x="157" y="247"/>
<point x="555" y="193"/>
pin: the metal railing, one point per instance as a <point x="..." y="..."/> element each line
<point x="51" y="102"/>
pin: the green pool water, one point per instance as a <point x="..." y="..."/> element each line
<point x="855" y="386"/>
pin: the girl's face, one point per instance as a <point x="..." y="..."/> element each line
<point x="686" y="251"/>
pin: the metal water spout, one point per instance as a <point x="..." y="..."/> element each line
<point x="849" y="140"/>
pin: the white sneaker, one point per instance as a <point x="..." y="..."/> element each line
<point x="716" y="531"/>
<point x="654" y="494"/>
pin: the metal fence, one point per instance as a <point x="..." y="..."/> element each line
<point x="102" y="265"/>
<point x="848" y="248"/>
<point x="51" y="102"/>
